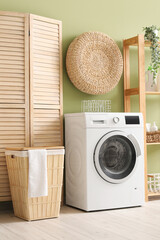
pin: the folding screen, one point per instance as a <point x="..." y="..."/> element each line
<point x="30" y="85"/>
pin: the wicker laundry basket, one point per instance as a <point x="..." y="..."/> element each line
<point x="153" y="137"/>
<point x="37" y="207"/>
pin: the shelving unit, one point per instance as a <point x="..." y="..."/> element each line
<point x="139" y="42"/>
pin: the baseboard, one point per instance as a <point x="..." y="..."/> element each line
<point x="4" y="206"/>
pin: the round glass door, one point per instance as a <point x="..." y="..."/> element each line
<point x="115" y="157"/>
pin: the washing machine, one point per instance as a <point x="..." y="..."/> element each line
<point x="104" y="165"/>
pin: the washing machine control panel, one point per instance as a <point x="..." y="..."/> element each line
<point x="116" y="119"/>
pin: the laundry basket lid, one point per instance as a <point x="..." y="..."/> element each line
<point x="32" y="148"/>
<point x="23" y="152"/>
<point x="94" y="63"/>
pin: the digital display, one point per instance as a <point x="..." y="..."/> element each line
<point x="132" y="119"/>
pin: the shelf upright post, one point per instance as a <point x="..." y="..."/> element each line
<point x="127" y="107"/>
<point x="142" y="99"/>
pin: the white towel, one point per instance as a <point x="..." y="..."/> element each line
<point x="38" y="183"/>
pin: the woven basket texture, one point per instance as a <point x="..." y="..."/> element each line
<point x="94" y="63"/>
<point x="153" y="137"/>
<point x="37" y="207"/>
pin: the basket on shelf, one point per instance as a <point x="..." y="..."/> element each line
<point x="36" y="207"/>
<point x="154" y="183"/>
<point x="153" y="137"/>
<point x="96" y="106"/>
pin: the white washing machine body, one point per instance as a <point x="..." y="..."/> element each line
<point x="104" y="166"/>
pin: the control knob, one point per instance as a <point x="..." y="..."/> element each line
<point x="116" y="119"/>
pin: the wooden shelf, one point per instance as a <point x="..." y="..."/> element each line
<point x="148" y="44"/>
<point x="151" y="194"/>
<point x="156" y="143"/>
<point x="131" y="41"/>
<point x="152" y="93"/>
<point x="134" y="41"/>
<point x="135" y="91"/>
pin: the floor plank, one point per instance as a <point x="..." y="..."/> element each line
<point x="122" y="224"/>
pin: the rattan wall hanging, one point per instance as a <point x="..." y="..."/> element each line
<point x="94" y="63"/>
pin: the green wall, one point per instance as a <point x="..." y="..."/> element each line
<point x="119" y="19"/>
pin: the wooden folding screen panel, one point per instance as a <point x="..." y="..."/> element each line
<point x="14" y="89"/>
<point x="36" y="121"/>
<point x="45" y="81"/>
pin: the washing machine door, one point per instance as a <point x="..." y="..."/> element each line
<point x="115" y="156"/>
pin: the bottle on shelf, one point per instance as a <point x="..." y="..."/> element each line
<point x="154" y="128"/>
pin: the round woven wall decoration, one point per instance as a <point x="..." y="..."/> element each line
<point x="94" y="63"/>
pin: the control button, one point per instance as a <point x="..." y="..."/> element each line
<point x="115" y="119"/>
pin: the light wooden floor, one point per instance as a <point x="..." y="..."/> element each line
<point x="142" y="223"/>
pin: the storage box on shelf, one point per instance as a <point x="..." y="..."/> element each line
<point x="153" y="137"/>
<point x="153" y="184"/>
<point x="37" y="207"/>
